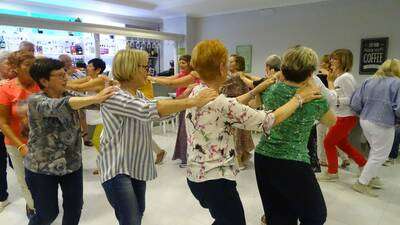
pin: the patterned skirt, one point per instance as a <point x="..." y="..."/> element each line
<point x="243" y="141"/>
<point x="181" y="140"/>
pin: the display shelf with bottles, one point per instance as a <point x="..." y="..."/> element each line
<point x="109" y="46"/>
<point x="80" y="46"/>
<point x="49" y="43"/>
<point x="152" y="47"/>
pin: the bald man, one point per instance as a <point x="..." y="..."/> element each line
<point x="27" y="46"/>
<point x="72" y="72"/>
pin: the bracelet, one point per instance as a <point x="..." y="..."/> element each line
<point x="19" y="148"/>
<point x="299" y="99"/>
<point x="253" y="96"/>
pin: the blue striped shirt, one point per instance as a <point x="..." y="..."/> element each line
<point x="125" y="144"/>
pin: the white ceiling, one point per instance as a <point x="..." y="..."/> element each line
<point x="203" y="8"/>
<point x="152" y="10"/>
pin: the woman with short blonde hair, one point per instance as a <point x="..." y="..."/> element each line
<point x="292" y="194"/>
<point x="212" y="164"/>
<point x="123" y="71"/>
<point x="125" y="159"/>
<point x="377" y="104"/>
<point x="389" y="68"/>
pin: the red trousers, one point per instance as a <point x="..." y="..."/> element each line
<point x="338" y="137"/>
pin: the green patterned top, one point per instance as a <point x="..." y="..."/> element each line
<point x="289" y="139"/>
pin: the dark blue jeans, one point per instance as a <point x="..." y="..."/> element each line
<point x="3" y="169"/>
<point x="44" y="190"/>
<point x="395" y="148"/>
<point x="127" y="196"/>
<point x="222" y="199"/>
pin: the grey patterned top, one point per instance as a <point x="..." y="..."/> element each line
<point x="55" y="143"/>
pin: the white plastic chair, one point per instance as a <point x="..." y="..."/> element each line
<point x="163" y="122"/>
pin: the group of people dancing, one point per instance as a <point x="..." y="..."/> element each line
<point x="218" y="105"/>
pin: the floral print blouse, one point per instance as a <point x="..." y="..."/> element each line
<point x="211" y="153"/>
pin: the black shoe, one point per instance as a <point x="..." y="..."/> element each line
<point x="88" y="143"/>
<point x="29" y="212"/>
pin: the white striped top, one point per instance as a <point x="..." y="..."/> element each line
<point x="125" y="145"/>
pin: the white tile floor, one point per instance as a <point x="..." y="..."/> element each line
<point x="169" y="201"/>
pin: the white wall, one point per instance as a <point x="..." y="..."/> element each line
<point x="191" y="34"/>
<point x="176" y="25"/>
<point x="322" y="26"/>
<point x="181" y="25"/>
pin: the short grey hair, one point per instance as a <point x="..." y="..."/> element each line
<point x="64" y="57"/>
<point x="274" y="62"/>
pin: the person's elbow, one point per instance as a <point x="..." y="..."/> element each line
<point x="356" y="105"/>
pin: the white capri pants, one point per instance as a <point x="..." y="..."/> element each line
<point x="380" y="138"/>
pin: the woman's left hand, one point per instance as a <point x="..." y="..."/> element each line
<point x="204" y="97"/>
<point x="309" y="91"/>
<point x="264" y="85"/>
<point x="24" y="150"/>
<point x="105" y="94"/>
<point x="101" y="82"/>
<point x="324" y="71"/>
<point x="152" y="79"/>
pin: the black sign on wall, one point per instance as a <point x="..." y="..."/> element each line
<point x="373" y="53"/>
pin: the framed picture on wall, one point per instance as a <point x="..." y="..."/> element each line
<point x="246" y="52"/>
<point x="372" y="54"/>
<point x="181" y="51"/>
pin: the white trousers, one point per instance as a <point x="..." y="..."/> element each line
<point x="380" y="138"/>
<point x="19" y="170"/>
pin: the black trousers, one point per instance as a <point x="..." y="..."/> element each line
<point x="3" y="169"/>
<point x="221" y="198"/>
<point x="289" y="192"/>
<point x="312" y="150"/>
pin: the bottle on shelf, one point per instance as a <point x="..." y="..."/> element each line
<point x="79" y="50"/>
<point x="2" y="43"/>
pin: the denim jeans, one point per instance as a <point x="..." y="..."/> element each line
<point x="44" y="189"/>
<point x="127" y="196"/>
<point x="3" y="169"/>
<point x="394" y="153"/>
